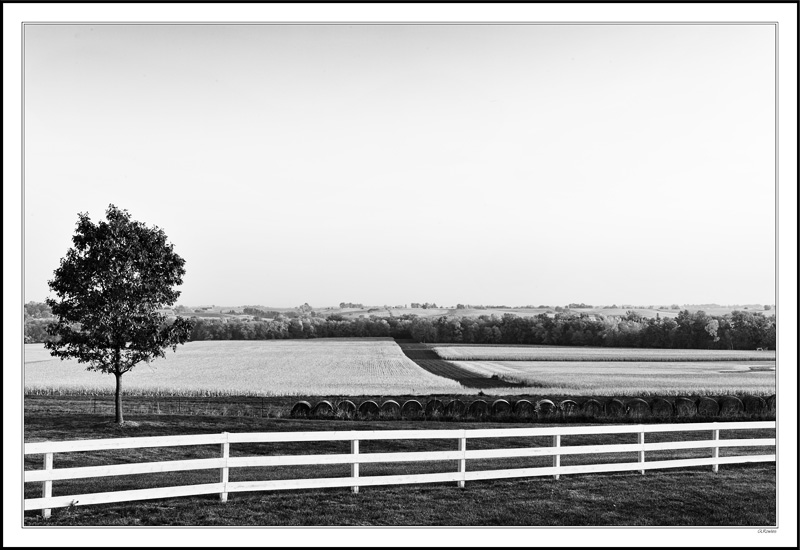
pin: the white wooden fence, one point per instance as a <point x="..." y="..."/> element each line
<point x="225" y="461"/>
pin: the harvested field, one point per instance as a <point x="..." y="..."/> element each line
<point x="550" y="353"/>
<point x="632" y="378"/>
<point x="427" y="359"/>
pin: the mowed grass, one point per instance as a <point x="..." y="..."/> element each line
<point x="279" y="367"/>
<point x="737" y="495"/>
<point x="553" y="353"/>
<point x="583" y="378"/>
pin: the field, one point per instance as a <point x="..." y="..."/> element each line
<point x="378" y="366"/>
<point x="737" y="495"/>
<point x="285" y="371"/>
<point x="552" y="353"/>
<point x="278" y="367"/>
<point x="584" y="378"/>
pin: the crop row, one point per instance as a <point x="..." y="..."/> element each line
<point x="249" y="368"/>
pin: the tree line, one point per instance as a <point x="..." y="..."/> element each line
<point x="689" y="330"/>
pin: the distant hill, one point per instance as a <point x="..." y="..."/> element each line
<point x="235" y="312"/>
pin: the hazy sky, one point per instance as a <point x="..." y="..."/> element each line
<point x="385" y="164"/>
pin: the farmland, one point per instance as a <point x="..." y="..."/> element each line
<point x="582" y="378"/>
<point x="378" y="366"/>
<point x="552" y="353"/>
<point x="315" y="367"/>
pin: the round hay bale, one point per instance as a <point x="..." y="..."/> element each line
<point x="478" y="408"/>
<point x="545" y="408"/>
<point x="346" y="409"/>
<point x="455" y="408"/>
<point x="300" y="409"/>
<point x="390" y="409"/>
<point x="730" y="406"/>
<point x="523" y="409"/>
<point x="323" y="409"/>
<point x="569" y="407"/>
<point x="685" y="407"/>
<point x="411" y="409"/>
<point x="615" y="408"/>
<point x="434" y="408"/>
<point x="707" y="406"/>
<point x="592" y="408"/>
<point x="754" y="405"/>
<point x="501" y="407"/>
<point x="770" y="402"/>
<point x="662" y="408"/>
<point x="368" y="409"/>
<point x="638" y="408"/>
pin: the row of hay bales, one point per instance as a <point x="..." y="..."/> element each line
<point x="524" y="409"/>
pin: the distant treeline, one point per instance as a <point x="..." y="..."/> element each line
<point x="738" y="330"/>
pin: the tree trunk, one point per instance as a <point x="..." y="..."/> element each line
<point x="118" y="399"/>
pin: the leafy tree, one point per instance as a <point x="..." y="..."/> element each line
<point x="109" y="288"/>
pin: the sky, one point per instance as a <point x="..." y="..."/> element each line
<point x="388" y="164"/>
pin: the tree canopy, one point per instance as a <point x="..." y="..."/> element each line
<point x="109" y="288"/>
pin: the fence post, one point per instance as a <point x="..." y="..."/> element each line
<point x="715" y="452"/>
<point x="354" y="465"/>
<point x="556" y="457"/>
<point x="462" y="466"/>
<point x="641" y="452"/>
<point x="223" y="472"/>
<point x="47" y="486"/>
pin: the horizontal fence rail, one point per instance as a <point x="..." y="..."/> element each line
<point x="461" y="455"/>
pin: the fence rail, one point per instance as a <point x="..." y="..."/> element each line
<point x="461" y="455"/>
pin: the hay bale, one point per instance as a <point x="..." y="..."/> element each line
<point x="345" y="409"/>
<point x="301" y="409"/>
<point x="754" y="405"/>
<point x="569" y="407"/>
<point x="455" y="408"/>
<point x="770" y="401"/>
<point x="390" y="409"/>
<point x="707" y="406"/>
<point x="500" y="408"/>
<point x="662" y="408"/>
<point x="615" y="408"/>
<point x="730" y="406"/>
<point x="434" y="408"/>
<point x="368" y="409"/>
<point x="523" y="409"/>
<point x="685" y="407"/>
<point x="478" y="408"/>
<point x="592" y="408"/>
<point x="411" y="409"/>
<point x="323" y="409"/>
<point x="638" y="408"/>
<point x="545" y="409"/>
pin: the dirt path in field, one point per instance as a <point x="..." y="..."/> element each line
<point x="426" y="358"/>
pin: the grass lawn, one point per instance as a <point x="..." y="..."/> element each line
<point x="737" y="495"/>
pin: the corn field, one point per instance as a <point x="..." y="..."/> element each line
<point x="255" y="368"/>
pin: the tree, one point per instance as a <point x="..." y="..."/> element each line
<point x="109" y="288"/>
